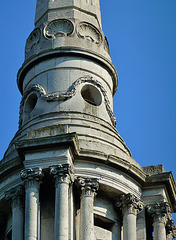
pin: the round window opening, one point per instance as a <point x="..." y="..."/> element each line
<point x="31" y="103"/>
<point x="91" y="95"/>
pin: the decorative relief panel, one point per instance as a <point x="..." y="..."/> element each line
<point x="106" y="45"/>
<point x="71" y="91"/>
<point x="32" y="40"/>
<point x="58" y="28"/>
<point x="87" y="31"/>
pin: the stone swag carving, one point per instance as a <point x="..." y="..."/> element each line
<point x="130" y="204"/>
<point x="71" y="91"/>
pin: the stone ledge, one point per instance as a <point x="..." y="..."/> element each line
<point x="152" y="170"/>
<point x="69" y="139"/>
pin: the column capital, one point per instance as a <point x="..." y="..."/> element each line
<point x="130" y="204"/>
<point x="159" y="212"/>
<point x="170" y="229"/>
<point x="15" y="196"/>
<point x="32" y="177"/>
<point x="62" y="173"/>
<point x="89" y="186"/>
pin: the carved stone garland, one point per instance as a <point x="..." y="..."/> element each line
<point x="71" y="91"/>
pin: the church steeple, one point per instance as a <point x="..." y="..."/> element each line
<point x="67" y="173"/>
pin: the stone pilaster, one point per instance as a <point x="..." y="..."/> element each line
<point x="63" y="176"/>
<point x="159" y="213"/>
<point x="130" y="206"/>
<point x="88" y="186"/>
<point x="16" y="196"/>
<point x="32" y="179"/>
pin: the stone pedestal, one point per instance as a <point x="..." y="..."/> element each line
<point x="61" y="174"/>
<point x="32" y="179"/>
<point x="130" y="207"/>
<point x="88" y="191"/>
<point x="15" y="196"/>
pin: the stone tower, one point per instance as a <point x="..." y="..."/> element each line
<point x="67" y="174"/>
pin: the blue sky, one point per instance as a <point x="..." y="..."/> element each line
<point x="142" y="39"/>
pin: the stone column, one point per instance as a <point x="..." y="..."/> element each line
<point x="15" y="197"/>
<point x="130" y="206"/>
<point x="62" y="175"/>
<point x="32" y="179"/>
<point x="159" y="213"/>
<point x="89" y="186"/>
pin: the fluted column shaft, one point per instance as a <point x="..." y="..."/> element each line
<point x="32" y="179"/>
<point x="130" y="207"/>
<point x="15" y="196"/>
<point x="62" y="177"/>
<point x="88" y="192"/>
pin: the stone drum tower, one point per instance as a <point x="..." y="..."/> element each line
<point x="67" y="174"/>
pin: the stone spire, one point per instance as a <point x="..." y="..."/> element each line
<point x="67" y="78"/>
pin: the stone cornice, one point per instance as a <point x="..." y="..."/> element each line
<point x="167" y="179"/>
<point x="69" y="51"/>
<point x="69" y="139"/>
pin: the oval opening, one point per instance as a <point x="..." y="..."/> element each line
<point x="31" y="103"/>
<point x="91" y="95"/>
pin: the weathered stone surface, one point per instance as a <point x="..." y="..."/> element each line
<point x="66" y="126"/>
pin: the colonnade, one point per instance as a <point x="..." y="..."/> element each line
<point x="129" y="204"/>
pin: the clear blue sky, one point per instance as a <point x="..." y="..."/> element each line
<point x="142" y="39"/>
